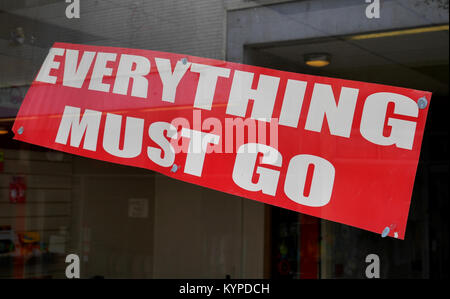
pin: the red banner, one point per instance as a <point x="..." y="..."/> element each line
<point x="341" y="150"/>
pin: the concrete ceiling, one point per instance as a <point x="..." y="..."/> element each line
<point x="414" y="60"/>
<point x="417" y="61"/>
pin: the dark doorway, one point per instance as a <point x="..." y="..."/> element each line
<point x="341" y="250"/>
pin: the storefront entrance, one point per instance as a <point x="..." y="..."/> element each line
<point x="307" y="247"/>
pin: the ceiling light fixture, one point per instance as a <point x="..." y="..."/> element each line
<point x="317" y="59"/>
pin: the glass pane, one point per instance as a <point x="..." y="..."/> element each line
<point x="135" y="221"/>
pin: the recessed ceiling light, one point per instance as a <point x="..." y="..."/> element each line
<point x="317" y="59"/>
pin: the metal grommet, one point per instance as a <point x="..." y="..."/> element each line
<point x="385" y="232"/>
<point x="20" y="131"/>
<point x="422" y="103"/>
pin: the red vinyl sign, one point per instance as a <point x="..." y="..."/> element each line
<point x="341" y="150"/>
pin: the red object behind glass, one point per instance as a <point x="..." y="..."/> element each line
<point x="17" y="190"/>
